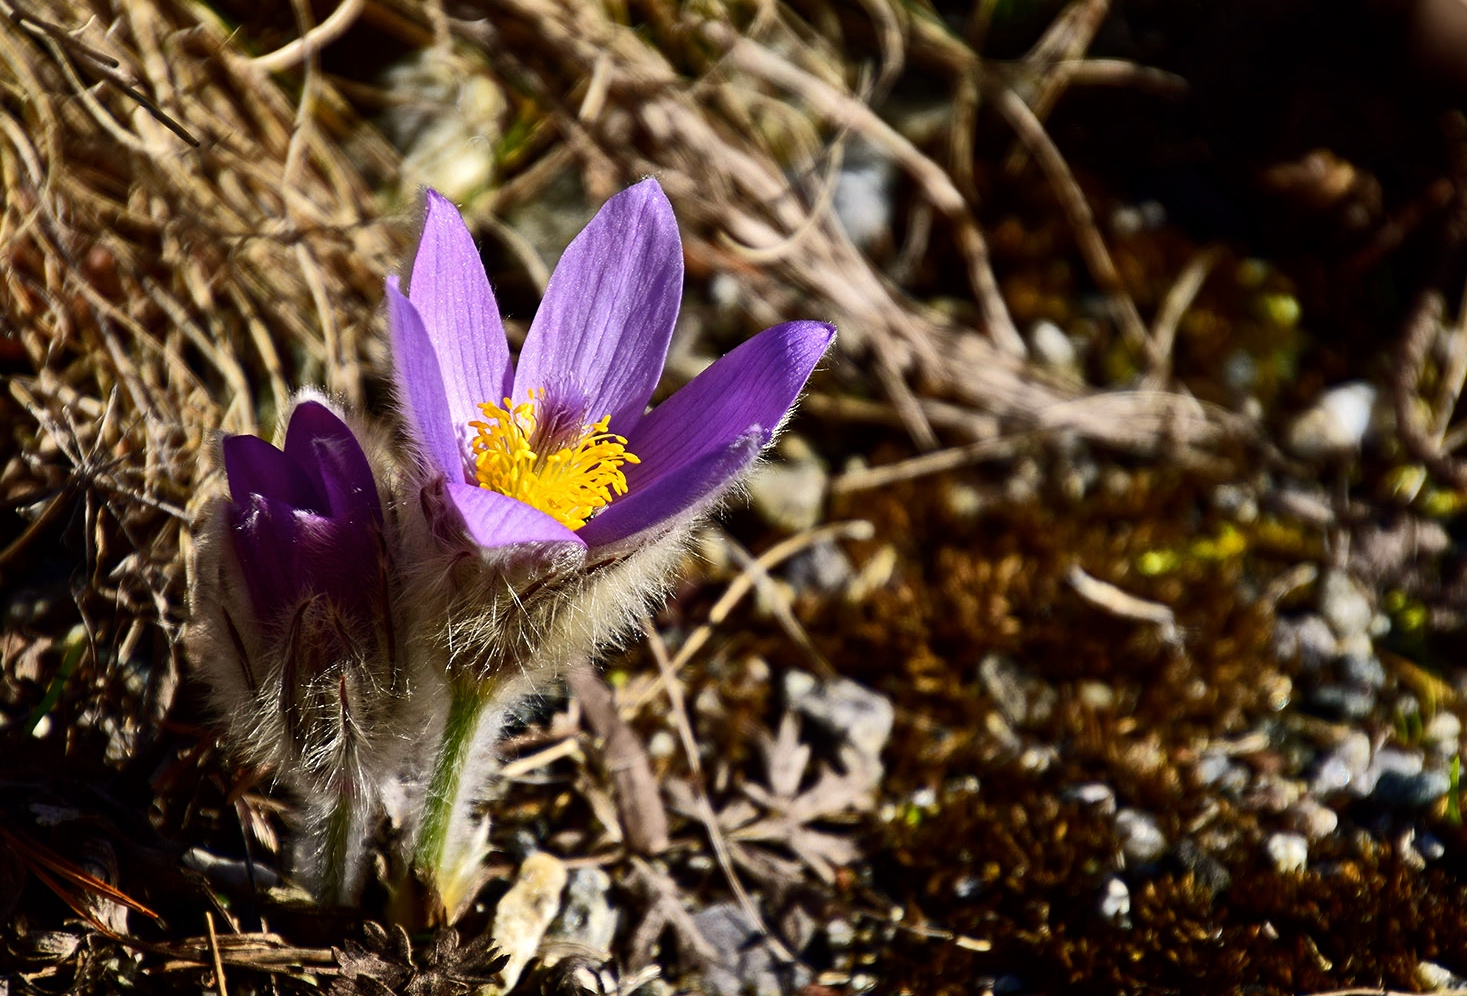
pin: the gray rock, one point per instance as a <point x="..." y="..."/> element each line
<point x="790" y="494"/>
<point x="1344" y="702"/>
<point x="1434" y="977"/>
<point x="840" y="933"/>
<point x="862" y="199"/>
<point x="1430" y="846"/>
<point x="821" y="567"/>
<point x="1398" y="791"/>
<point x="1362" y="672"/>
<point x="845" y="709"/>
<point x="1221" y="772"/>
<point x="1235" y="500"/>
<point x="1207" y="871"/>
<point x="1396" y="761"/>
<point x="1142" y="841"/>
<point x="1020" y="697"/>
<point x="1346" y="766"/>
<point x="745" y="966"/>
<point x="586" y="918"/>
<point x="1307" y="638"/>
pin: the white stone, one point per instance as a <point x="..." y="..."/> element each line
<point x="1289" y="852"/>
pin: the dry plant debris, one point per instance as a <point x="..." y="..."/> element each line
<point x="1140" y="470"/>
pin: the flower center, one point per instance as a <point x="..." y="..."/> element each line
<point x="549" y="459"/>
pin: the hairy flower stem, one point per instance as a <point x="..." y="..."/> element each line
<point x="450" y="847"/>
<point x="338" y="870"/>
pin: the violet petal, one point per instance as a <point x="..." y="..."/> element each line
<point x="704" y="430"/>
<point x="609" y="308"/>
<point x="326" y="450"/>
<point x="751" y="387"/>
<point x="264" y="535"/>
<point x="421" y="392"/>
<point x="665" y="501"/>
<point x="254" y="467"/>
<point x="496" y="520"/>
<point x="452" y="295"/>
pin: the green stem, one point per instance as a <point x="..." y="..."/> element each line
<point x="444" y="789"/>
<point x="342" y="835"/>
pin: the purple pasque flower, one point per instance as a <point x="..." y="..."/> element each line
<point x="559" y="448"/>
<point x="305" y="520"/>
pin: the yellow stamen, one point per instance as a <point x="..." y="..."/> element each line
<point x="568" y="479"/>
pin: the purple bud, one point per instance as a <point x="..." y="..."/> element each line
<point x="305" y="521"/>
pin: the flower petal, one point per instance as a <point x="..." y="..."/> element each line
<point x="263" y="535"/>
<point x="697" y="442"/>
<point x="609" y="308"/>
<point x="752" y="387"/>
<point x="327" y="451"/>
<point x="452" y="294"/>
<point x="665" y="501"/>
<point x="254" y="467"/>
<point x="496" y="520"/>
<point x="420" y="389"/>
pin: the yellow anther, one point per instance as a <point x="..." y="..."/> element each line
<point x="568" y="479"/>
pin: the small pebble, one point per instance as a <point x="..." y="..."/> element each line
<point x="1021" y="697"/>
<point x="1434" y="977"/>
<point x="1344" y="766"/>
<point x="1395" y="790"/>
<point x="662" y="745"/>
<point x="1142" y="841"/>
<point x="1397" y="761"/>
<point x="1443" y="731"/>
<point x="1091" y="794"/>
<point x="1235" y="500"/>
<point x="1345" y="605"/>
<point x="862" y="200"/>
<point x="967" y="887"/>
<point x="1051" y="348"/>
<point x="845" y="709"/>
<point x="1222" y="773"/>
<point x="1363" y="672"/>
<point x="587" y="918"/>
<point x="1343" y="702"/>
<point x="790" y="495"/>
<point x="840" y="933"/>
<point x="1240" y="373"/>
<point x="1115" y="902"/>
<point x="1289" y="852"/>
<point x="1207" y="871"/>
<point x="1430" y="846"/>
<point x="822" y="567"/>
<point x="1313" y="819"/>
<point x="1096" y="695"/>
<point x="1307" y="637"/>
<point x="1336" y="424"/>
<point x="744" y="965"/>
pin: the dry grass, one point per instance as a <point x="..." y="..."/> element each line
<point x="158" y="291"/>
